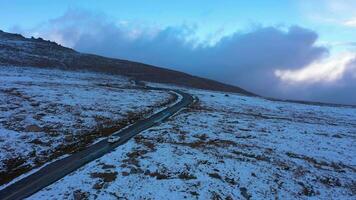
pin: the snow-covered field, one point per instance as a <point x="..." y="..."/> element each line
<point x="47" y="113"/>
<point x="228" y="147"/>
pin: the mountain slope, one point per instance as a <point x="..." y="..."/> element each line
<point x="20" y="51"/>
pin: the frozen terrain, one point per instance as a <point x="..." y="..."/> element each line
<point x="228" y="146"/>
<point x="48" y="113"/>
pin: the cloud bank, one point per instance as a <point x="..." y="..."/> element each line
<point x="271" y="61"/>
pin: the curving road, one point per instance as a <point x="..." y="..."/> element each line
<point x="60" y="168"/>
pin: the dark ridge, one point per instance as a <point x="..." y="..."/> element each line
<point x="313" y="103"/>
<point x="17" y="50"/>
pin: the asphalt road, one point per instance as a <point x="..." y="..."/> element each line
<point x="60" y="168"/>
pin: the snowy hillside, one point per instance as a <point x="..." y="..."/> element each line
<point x="16" y="50"/>
<point x="228" y="146"/>
<point x="48" y="113"/>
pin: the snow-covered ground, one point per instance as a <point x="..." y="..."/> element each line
<point x="228" y="147"/>
<point x="47" y="113"/>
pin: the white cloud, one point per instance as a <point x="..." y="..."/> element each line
<point x="327" y="70"/>
<point x="350" y="23"/>
<point x="334" y="12"/>
<point x="341" y="6"/>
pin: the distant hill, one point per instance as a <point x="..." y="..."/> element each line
<point x="20" y="51"/>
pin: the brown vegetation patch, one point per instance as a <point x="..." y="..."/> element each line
<point x="17" y="93"/>
<point x="245" y="137"/>
<point x="33" y="128"/>
<point x="330" y="181"/>
<point x="215" y="175"/>
<point x="244" y="193"/>
<point x="216" y="196"/>
<point x="139" y="139"/>
<point x="198" y="107"/>
<point x="201" y="137"/>
<point x="105" y="176"/>
<point x="125" y="173"/>
<point x="13" y="168"/>
<point x="194" y="193"/>
<point x="231" y="181"/>
<point x="149" y="145"/>
<point x="157" y="174"/>
<point x="132" y="157"/>
<point x="307" y="190"/>
<point x="186" y="176"/>
<point x="106" y="166"/>
<point x="37" y="141"/>
<point x="205" y="144"/>
<point x="99" y="185"/>
<point x="320" y="164"/>
<point x="250" y="155"/>
<point x="136" y="170"/>
<point x="80" y="195"/>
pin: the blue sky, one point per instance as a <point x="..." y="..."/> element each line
<point x="303" y="49"/>
<point x="156" y="11"/>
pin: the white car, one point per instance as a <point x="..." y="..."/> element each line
<point x="113" y="139"/>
